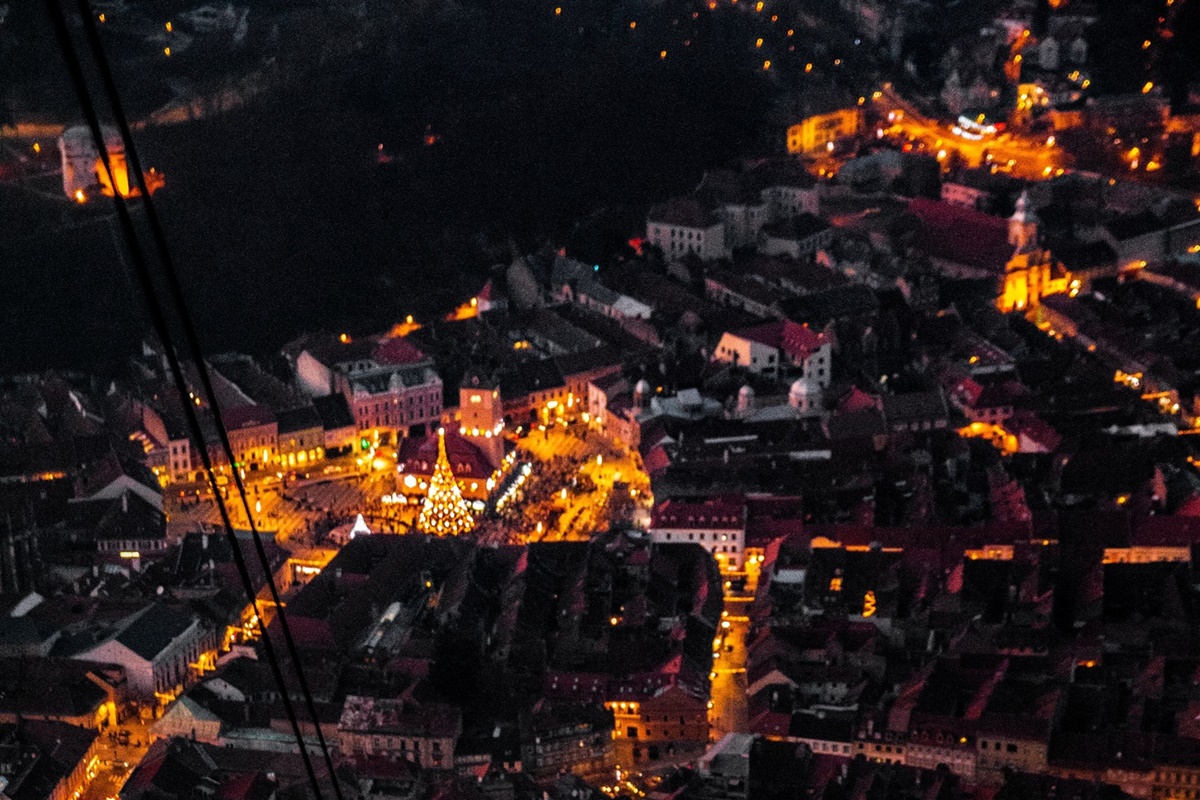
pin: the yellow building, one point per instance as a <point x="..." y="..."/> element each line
<point x="818" y="132"/>
<point x="1030" y="274"/>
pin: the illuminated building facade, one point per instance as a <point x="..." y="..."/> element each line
<point x="253" y="436"/>
<point x="668" y="715"/>
<point x="49" y="759"/>
<point x="779" y="349"/>
<point x="1029" y="274"/>
<point x="161" y="650"/>
<point x="85" y="174"/>
<point x="718" y="525"/>
<point x="818" y="131"/>
<point x="389" y="384"/>
<point x="481" y="418"/>
<point x="301" y="437"/>
<point x="417" y="458"/>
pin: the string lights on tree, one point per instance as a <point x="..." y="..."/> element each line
<point x="445" y="512"/>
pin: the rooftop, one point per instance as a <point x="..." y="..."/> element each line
<point x="686" y="213"/>
<point x="961" y="235"/>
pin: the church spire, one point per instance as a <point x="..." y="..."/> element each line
<point x="1023" y="224"/>
<point x="445" y="512"/>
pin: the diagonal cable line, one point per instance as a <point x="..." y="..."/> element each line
<point x="193" y="343"/>
<point x="161" y="327"/>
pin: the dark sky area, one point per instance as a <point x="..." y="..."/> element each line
<point x="281" y="220"/>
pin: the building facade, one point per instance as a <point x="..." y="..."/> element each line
<point x="718" y="525"/>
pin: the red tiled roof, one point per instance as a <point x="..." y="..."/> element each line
<point x="575" y="686"/>
<point x="1189" y="507"/>
<point x="961" y="235"/>
<point x="657" y="460"/>
<point x="1035" y="428"/>
<point x="797" y="341"/>
<point x="958" y="384"/>
<point x="858" y="400"/>
<point x="246" y="786"/>
<point x="1167" y="531"/>
<point x="719" y="513"/>
<point x="418" y="455"/>
<point x="397" y="351"/>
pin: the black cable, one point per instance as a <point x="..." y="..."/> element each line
<point x="193" y="343"/>
<point x="159" y="321"/>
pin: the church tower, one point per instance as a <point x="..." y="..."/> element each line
<point x="1027" y="276"/>
<point x="481" y="417"/>
<point x="1023" y="224"/>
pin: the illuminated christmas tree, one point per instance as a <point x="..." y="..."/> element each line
<point x="445" y="512"/>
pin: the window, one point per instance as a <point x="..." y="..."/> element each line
<point x="1012" y="748"/>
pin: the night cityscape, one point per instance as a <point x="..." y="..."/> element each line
<point x="599" y="399"/>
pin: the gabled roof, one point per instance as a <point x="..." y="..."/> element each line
<point x="129" y="516"/>
<point x="198" y="550"/>
<point x="797" y="341"/>
<point x="717" y="513"/>
<point x="153" y="630"/>
<point x="417" y="455"/>
<point x="961" y="235"/>
<point x="51" y="686"/>
<point x="96" y="477"/>
<point x="60" y="748"/>
<point x="1036" y="429"/>
<point x="398" y="351"/>
<point x="683" y="212"/>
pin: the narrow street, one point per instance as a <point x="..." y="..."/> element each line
<point x="729" y="713"/>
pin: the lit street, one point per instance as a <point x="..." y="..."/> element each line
<point x="575" y="473"/>
<point x="729" y="711"/>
